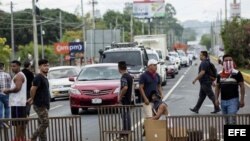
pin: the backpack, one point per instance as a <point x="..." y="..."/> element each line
<point x="212" y="71"/>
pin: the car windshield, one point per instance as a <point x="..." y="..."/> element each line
<point x="173" y="54"/>
<point x="62" y="73"/>
<point x="152" y="56"/>
<point x="132" y="58"/>
<point x="181" y="53"/>
<point x="99" y="73"/>
<point x="159" y="53"/>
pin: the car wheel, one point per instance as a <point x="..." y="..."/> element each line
<point x="164" y="83"/>
<point x="52" y="100"/>
<point x="173" y="76"/>
<point x="74" y="111"/>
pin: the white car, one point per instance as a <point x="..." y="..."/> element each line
<point x="184" y="58"/>
<point x="174" y="56"/>
<point x="59" y="83"/>
<point x="161" y="68"/>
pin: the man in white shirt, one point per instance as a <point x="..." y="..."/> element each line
<point x="18" y="99"/>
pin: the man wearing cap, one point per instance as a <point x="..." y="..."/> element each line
<point x="149" y="81"/>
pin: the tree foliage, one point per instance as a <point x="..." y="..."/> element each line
<point x="206" y="41"/>
<point x="5" y="51"/>
<point x="236" y="38"/>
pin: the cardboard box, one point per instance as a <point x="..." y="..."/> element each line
<point x="156" y="130"/>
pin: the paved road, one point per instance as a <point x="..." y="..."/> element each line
<point x="180" y="94"/>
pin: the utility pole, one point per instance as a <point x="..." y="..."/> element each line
<point x="226" y="10"/>
<point x="60" y="21"/>
<point x="41" y="34"/>
<point x="12" y="32"/>
<point x="93" y="3"/>
<point x="35" y="36"/>
<point x="84" y="33"/>
<point x="149" y="27"/>
<point x="142" y="27"/>
<point x="131" y="27"/>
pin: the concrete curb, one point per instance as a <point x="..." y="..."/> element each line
<point x="245" y="75"/>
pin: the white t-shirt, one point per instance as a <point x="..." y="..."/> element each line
<point x="19" y="98"/>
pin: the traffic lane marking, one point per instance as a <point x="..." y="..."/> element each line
<point x="176" y="84"/>
<point x="53" y="108"/>
<point x="165" y="97"/>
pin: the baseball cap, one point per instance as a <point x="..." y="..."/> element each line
<point x="152" y="62"/>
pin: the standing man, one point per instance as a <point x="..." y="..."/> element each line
<point x="205" y="84"/>
<point x="29" y="76"/>
<point x="18" y="99"/>
<point x="150" y="81"/>
<point x="5" y="83"/>
<point x="125" y="95"/>
<point x="228" y="82"/>
<point x="40" y="97"/>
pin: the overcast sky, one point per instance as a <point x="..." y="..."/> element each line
<point x="186" y="9"/>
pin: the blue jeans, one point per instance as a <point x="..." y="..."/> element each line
<point x="230" y="107"/>
<point x="4" y="106"/>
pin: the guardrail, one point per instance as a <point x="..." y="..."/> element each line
<point x="201" y="127"/>
<point x="66" y="128"/>
<point x="120" y="123"/>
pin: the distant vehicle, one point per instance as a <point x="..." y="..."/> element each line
<point x="170" y="69"/>
<point x="183" y="57"/>
<point x="176" y="57"/>
<point x="133" y="54"/>
<point x="59" y="83"/>
<point x="97" y="84"/>
<point x="180" y="46"/>
<point x="161" y="68"/>
<point x="156" y="42"/>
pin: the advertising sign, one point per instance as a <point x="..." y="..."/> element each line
<point x="148" y="8"/>
<point x="66" y="48"/>
<point x="235" y="10"/>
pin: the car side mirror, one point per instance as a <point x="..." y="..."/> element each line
<point x="72" y="79"/>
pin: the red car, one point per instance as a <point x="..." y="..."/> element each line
<point x="96" y="84"/>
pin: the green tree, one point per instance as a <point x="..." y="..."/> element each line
<point x="236" y="39"/>
<point x="5" y="51"/>
<point x="206" y="41"/>
<point x="25" y="50"/>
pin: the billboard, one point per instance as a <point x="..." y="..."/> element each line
<point x="66" y="48"/>
<point x="148" y="8"/>
<point x="235" y="9"/>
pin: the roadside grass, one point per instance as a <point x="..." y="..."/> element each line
<point x="245" y="70"/>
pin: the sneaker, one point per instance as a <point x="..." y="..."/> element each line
<point x="194" y="110"/>
<point x="215" y="111"/>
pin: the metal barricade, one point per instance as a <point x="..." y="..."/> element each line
<point x="201" y="127"/>
<point x="66" y="128"/>
<point x="120" y="123"/>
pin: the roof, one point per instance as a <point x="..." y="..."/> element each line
<point x="123" y="49"/>
<point x="62" y="67"/>
<point x="102" y="65"/>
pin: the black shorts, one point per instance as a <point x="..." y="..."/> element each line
<point x="19" y="112"/>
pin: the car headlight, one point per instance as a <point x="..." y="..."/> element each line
<point x="74" y="91"/>
<point x="117" y="91"/>
<point x="136" y="76"/>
